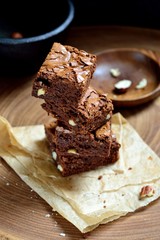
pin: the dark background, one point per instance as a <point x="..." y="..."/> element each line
<point x="137" y="13"/>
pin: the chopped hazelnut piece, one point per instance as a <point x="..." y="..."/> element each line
<point x="108" y="116"/>
<point x="16" y="35"/>
<point x="146" y="191"/>
<point x="122" y="86"/>
<point x="142" y="84"/>
<point x="54" y="155"/>
<point x="59" y="167"/>
<point x="40" y="91"/>
<point x="115" y="72"/>
<point x="72" y="123"/>
<point x="72" y="151"/>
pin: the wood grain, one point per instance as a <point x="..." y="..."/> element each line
<point x="22" y="211"/>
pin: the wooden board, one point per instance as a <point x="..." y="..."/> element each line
<point x="23" y="214"/>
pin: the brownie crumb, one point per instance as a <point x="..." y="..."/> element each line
<point x="100" y="177"/>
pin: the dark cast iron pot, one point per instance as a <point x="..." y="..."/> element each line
<point x="38" y="26"/>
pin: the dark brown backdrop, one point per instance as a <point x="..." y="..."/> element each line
<point x="138" y="13"/>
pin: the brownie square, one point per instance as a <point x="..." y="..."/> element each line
<point x="75" y="153"/>
<point x="64" y="75"/>
<point x="92" y="112"/>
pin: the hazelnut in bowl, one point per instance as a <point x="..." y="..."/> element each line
<point x="130" y="76"/>
<point x="28" y="31"/>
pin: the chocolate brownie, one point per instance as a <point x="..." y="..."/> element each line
<point x="92" y="112"/>
<point x="80" y="137"/>
<point x="87" y="143"/>
<point x="79" y="153"/>
<point x="64" y="75"/>
<point x="69" y="164"/>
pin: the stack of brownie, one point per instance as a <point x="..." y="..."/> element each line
<point x="80" y="136"/>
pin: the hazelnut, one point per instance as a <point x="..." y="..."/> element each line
<point x="122" y="86"/>
<point x="54" y="155"/>
<point x="146" y="191"/>
<point x="108" y="116"/>
<point x="16" y="35"/>
<point x="115" y="72"/>
<point x="59" y="167"/>
<point x="72" y="151"/>
<point x="40" y="92"/>
<point x="72" y="123"/>
<point x="142" y="84"/>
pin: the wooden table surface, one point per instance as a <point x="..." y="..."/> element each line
<point x="23" y="212"/>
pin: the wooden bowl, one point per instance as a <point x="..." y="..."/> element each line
<point x="133" y="64"/>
